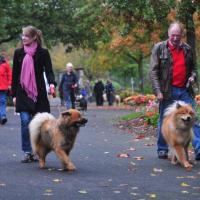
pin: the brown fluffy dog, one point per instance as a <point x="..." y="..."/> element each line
<point x="177" y="130"/>
<point x="48" y="133"/>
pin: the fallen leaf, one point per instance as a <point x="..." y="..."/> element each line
<point x="157" y="170"/>
<point x="185" y="192"/>
<point x="82" y="191"/>
<point x="149" y="144"/>
<point x="131" y="149"/>
<point x="153" y="174"/>
<point x="48" y="190"/>
<point x="138" y="157"/>
<point x="48" y="194"/>
<point x="180" y="177"/>
<point x="2" y="184"/>
<point x="116" y="192"/>
<point x="132" y="163"/>
<point x="123" y="184"/>
<point x="134" y="188"/>
<point x="141" y="136"/>
<point x="51" y="169"/>
<point x="134" y="194"/>
<point x="153" y="196"/>
<point x="185" y="184"/>
<point x="57" y="180"/>
<point x="123" y="155"/>
<point x="191" y="177"/>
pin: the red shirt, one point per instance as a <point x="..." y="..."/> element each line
<point x="5" y="76"/>
<point x="179" y="67"/>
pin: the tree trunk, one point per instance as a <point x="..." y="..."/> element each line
<point x="140" y="73"/>
<point x="190" y="32"/>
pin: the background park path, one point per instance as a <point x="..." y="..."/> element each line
<point x="104" y="172"/>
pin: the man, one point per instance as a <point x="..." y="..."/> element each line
<point x="109" y="92"/>
<point x="68" y="84"/>
<point x="5" y="85"/>
<point x="173" y="72"/>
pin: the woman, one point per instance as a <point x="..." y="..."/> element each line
<point x="5" y="84"/>
<point x="28" y="84"/>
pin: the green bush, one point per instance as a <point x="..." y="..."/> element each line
<point x="153" y="120"/>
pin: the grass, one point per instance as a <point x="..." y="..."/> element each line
<point x="131" y="116"/>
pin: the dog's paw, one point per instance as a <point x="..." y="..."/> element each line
<point x="71" y="167"/>
<point x="188" y="166"/>
<point x="42" y="164"/>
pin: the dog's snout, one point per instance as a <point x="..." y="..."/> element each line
<point x="188" y="118"/>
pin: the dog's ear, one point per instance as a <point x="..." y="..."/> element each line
<point x="178" y="105"/>
<point x="66" y="113"/>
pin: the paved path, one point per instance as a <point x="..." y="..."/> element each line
<point x="100" y="174"/>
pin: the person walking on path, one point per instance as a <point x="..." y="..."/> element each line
<point x="173" y="73"/>
<point x="68" y="85"/>
<point x="98" y="92"/>
<point x="28" y="84"/>
<point x="109" y="88"/>
<point x="5" y="85"/>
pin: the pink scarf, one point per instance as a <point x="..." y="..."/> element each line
<point x="27" y="78"/>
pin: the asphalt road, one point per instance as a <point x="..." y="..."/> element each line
<point x="100" y="174"/>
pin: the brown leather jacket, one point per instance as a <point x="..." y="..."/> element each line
<point x="161" y="68"/>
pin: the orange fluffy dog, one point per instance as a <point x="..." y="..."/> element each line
<point x="48" y="133"/>
<point x="177" y="130"/>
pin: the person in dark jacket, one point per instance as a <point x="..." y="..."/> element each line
<point x="110" y="92"/>
<point x="28" y="84"/>
<point x="5" y="85"/>
<point x="173" y="72"/>
<point x="68" y="85"/>
<point x="98" y="92"/>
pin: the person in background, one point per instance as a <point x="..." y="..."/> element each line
<point x="5" y="85"/>
<point x="98" y="92"/>
<point x="68" y="85"/>
<point x="110" y="92"/>
<point x="173" y="73"/>
<point x="28" y="83"/>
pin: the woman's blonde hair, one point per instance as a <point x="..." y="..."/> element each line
<point x="33" y="32"/>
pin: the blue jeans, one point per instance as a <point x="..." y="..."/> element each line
<point x="25" y="138"/>
<point x="3" y="101"/>
<point x="68" y="100"/>
<point x="183" y="95"/>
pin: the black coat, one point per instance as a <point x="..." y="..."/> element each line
<point x="42" y="63"/>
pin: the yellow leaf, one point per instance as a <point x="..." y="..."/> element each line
<point x="184" y="184"/>
<point x="152" y="196"/>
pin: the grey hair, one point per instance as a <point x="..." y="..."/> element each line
<point x="178" y="24"/>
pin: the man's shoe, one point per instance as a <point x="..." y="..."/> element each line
<point x="3" y="120"/>
<point x="33" y="158"/>
<point x="162" y="155"/>
<point x="26" y="158"/>
<point x="197" y="156"/>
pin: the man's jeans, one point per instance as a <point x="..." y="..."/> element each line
<point x="3" y="100"/>
<point x="183" y="95"/>
<point x="25" y="119"/>
<point x="68" y="100"/>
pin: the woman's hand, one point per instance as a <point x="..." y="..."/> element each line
<point x="52" y="90"/>
<point x="14" y="101"/>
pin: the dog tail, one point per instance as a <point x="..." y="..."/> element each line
<point x="35" y="125"/>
